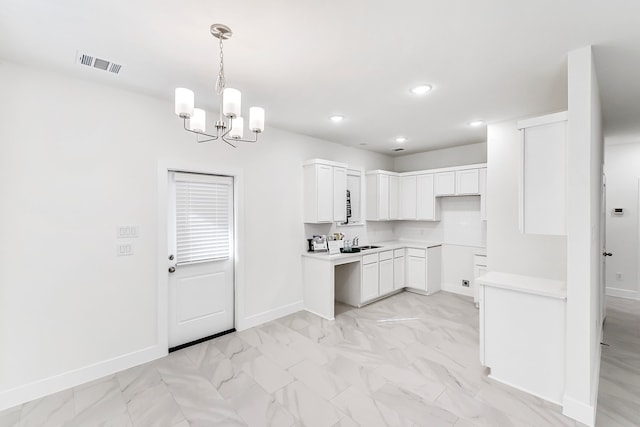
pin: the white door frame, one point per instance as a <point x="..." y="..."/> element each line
<point x="164" y="167"/>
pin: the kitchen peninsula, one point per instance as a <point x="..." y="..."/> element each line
<point x="363" y="277"/>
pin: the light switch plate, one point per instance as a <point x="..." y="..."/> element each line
<point x="127" y="231"/>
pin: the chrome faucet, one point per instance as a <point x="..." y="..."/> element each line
<point x="355" y="241"/>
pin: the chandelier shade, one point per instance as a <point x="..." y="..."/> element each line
<point x="230" y="101"/>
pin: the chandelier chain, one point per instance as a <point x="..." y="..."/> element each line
<point x="221" y="82"/>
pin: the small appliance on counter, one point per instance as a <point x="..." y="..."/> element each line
<point x="318" y="244"/>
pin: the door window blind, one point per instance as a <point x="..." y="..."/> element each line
<point x="204" y="217"/>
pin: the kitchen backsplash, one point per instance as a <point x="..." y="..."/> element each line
<point x="459" y="224"/>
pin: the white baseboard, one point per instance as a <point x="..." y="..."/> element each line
<point x="269" y="315"/>
<point x="37" y="389"/>
<point x="579" y="411"/>
<point x="622" y="293"/>
<point x="457" y="289"/>
<point x="523" y="389"/>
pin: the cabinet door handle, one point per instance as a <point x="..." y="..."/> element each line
<point x="172" y="269"/>
<point x="607" y="254"/>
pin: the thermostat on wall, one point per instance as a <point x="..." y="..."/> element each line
<point x="617" y="211"/>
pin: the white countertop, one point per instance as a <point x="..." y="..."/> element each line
<point x="384" y="246"/>
<point x="526" y="284"/>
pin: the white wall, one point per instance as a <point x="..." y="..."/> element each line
<point x="584" y="251"/>
<point x="446" y="157"/>
<point x="508" y="250"/>
<point x="78" y="159"/>
<point x="622" y="172"/>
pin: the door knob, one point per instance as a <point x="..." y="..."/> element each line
<point x="172" y="269"/>
<point x="607" y="254"/>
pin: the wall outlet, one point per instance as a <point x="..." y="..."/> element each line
<point x="124" y="249"/>
<point x="465" y="283"/>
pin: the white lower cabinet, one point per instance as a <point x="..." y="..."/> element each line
<point x="417" y="272"/>
<point x="386" y="276"/>
<point x="385" y="272"/>
<point x="479" y="269"/>
<point x="370" y="278"/>
<point x="398" y="269"/>
<point x="424" y="269"/>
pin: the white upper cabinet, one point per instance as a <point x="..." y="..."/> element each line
<point x="383" y="196"/>
<point x="445" y="183"/>
<point x="483" y="193"/>
<point x="408" y="197"/>
<point x="324" y="191"/>
<point x="394" y="197"/>
<point x="542" y="178"/>
<point x="461" y="182"/>
<point x="428" y="207"/>
<point x="414" y="195"/>
<point x="354" y="188"/>
<point x="381" y="189"/>
<point x="339" y="194"/>
<point x="467" y="182"/>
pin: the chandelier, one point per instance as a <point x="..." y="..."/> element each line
<point x="194" y="119"/>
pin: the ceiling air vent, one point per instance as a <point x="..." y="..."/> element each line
<point x="99" y="63"/>
<point x="398" y="149"/>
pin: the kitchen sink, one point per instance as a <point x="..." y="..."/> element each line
<point x="348" y="251"/>
<point x="364" y="248"/>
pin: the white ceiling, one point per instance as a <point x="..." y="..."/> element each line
<point x="304" y="60"/>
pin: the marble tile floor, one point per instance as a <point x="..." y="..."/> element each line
<point x="619" y="388"/>
<point x="408" y="360"/>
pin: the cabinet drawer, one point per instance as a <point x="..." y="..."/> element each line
<point x="369" y="259"/>
<point x="397" y="253"/>
<point x="385" y="255"/>
<point x="417" y="252"/>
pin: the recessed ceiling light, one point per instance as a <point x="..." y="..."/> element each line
<point x="421" y="89"/>
<point x="336" y="118"/>
<point x="401" y="139"/>
<point x="476" y="123"/>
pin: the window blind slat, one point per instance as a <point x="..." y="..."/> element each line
<point x="203" y="220"/>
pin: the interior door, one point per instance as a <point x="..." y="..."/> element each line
<point x="201" y="256"/>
